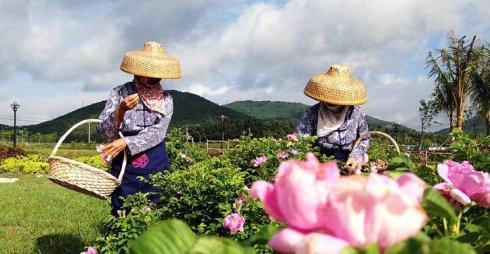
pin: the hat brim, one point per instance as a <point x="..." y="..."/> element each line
<point x="138" y="63"/>
<point x="347" y="92"/>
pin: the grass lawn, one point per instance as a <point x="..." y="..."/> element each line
<point x="38" y="216"/>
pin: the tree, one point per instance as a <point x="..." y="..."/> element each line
<point x="450" y="70"/>
<point x="427" y="111"/>
<point x="480" y="87"/>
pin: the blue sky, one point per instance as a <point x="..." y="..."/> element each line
<point x="56" y="54"/>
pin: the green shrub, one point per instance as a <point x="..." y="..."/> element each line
<point x="200" y="195"/>
<point x="475" y="151"/>
<point x="30" y="164"/>
<point x="181" y="153"/>
<point x="94" y="161"/>
<point x="119" y="231"/>
<point x="249" y="148"/>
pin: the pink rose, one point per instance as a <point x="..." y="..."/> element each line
<point x="324" y="213"/>
<point x="282" y="155"/>
<point x="259" y="161"/>
<point x="89" y="250"/>
<point x="472" y="185"/>
<point x="292" y="137"/>
<point x="292" y="241"/>
<point x="364" y="210"/>
<point x="100" y="149"/>
<point x="299" y="193"/>
<point x="234" y="222"/>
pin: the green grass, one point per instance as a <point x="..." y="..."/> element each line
<point x="38" y="216"/>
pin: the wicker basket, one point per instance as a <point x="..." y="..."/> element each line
<point x="379" y="133"/>
<point x="81" y="177"/>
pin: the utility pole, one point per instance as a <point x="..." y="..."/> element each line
<point x="89" y="133"/>
<point x="15" y="106"/>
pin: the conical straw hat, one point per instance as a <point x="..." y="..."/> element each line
<point x="336" y="87"/>
<point x="151" y="61"/>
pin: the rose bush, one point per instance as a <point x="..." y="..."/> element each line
<point x="311" y="206"/>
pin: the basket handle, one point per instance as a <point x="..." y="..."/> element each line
<point x="380" y="133"/>
<point x="60" y="141"/>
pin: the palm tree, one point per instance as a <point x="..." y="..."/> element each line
<point x="480" y="86"/>
<point x="450" y="70"/>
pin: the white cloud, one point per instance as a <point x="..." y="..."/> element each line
<point x="203" y="90"/>
<point x="237" y="50"/>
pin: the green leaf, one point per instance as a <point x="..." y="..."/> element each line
<point x="169" y="237"/>
<point x="215" y="245"/>
<point x="369" y="249"/>
<point x="437" y="205"/>
<point x="423" y="245"/>
<point x="448" y="246"/>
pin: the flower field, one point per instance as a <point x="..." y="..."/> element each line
<point x="269" y="194"/>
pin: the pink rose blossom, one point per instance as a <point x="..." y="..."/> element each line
<point x="292" y="241"/>
<point x="259" y="161"/>
<point x="324" y="213"/>
<point x="89" y="250"/>
<point x="282" y="155"/>
<point x="299" y="193"/>
<point x="100" y="149"/>
<point x="240" y="199"/>
<point x="292" y="137"/>
<point x="472" y="185"/>
<point x="234" y="222"/>
<point x="363" y="210"/>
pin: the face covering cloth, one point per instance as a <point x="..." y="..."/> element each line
<point x="329" y="121"/>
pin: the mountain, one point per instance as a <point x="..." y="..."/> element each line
<point x="5" y="127"/>
<point x="193" y="109"/>
<point x="188" y="108"/>
<point x="475" y="124"/>
<point x="292" y="111"/>
<point x="269" y="109"/>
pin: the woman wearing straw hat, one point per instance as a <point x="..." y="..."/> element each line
<point x="141" y="110"/>
<point x="337" y="120"/>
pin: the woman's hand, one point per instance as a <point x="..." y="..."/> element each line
<point x="353" y="163"/>
<point x="130" y="102"/>
<point x="114" y="148"/>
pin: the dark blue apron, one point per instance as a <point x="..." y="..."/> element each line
<point x="149" y="162"/>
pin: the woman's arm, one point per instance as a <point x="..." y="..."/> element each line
<point x="153" y="135"/>
<point x="304" y="125"/>
<point x="107" y="128"/>
<point x="113" y="114"/>
<point x="362" y="130"/>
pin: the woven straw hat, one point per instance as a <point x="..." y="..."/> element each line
<point x="151" y="61"/>
<point x="336" y="87"/>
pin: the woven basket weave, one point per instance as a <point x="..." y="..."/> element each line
<point x="151" y="61"/>
<point x="336" y="87"/>
<point x="81" y="177"/>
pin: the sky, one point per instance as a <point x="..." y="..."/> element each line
<point x="56" y="56"/>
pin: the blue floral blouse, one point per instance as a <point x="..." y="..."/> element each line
<point x="143" y="128"/>
<point x="344" y="137"/>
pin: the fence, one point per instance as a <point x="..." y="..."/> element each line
<point x="219" y="145"/>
